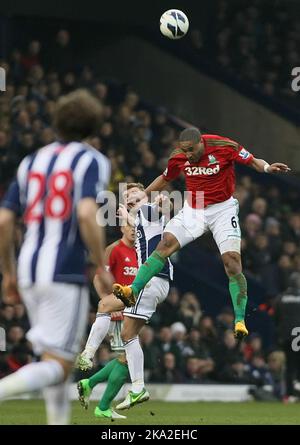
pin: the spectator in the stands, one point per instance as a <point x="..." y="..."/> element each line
<point x="165" y="343"/>
<point x="251" y="226"/>
<point x="168" y="310"/>
<point x="284" y="270"/>
<point x="179" y="334"/>
<point x="168" y="371"/>
<point x="273" y="232"/>
<point x="151" y="352"/>
<point x="20" y="316"/>
<point x="209" y="333"/>
<point x="190" y="310"/>
<point x="60" y="56"/>
<point x="276" y="365"/>
<point x="253" y="346"/>
<point x="14" y="335"/>
<point x="197" y="370"/>
<point x="224" y="321"/>
<point x="228" y="352"/>
<point x="19" y="356"/>
<point x="7" y="314"/>
<point x="32" y="55"/>
<point x="293" y="228"/>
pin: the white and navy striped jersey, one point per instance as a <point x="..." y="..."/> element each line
<point x="149" y="227"/>
<point x="48" y="186"/>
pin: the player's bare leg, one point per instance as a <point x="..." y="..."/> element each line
<point x="99" y="330"/>
<point x="154" y="264"/>
<point x="56" y="397"/>
<point x="135" y="360"/>
<point x="50" y="374"/>
<point x="238" y="290"/>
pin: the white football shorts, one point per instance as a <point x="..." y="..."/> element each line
<point x="221" y="219"/>
<point x="58" y="315"/>
<point x="154" y="293"/>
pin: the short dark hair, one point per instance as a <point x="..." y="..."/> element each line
<point x="190" y="134"/>
<point x="77" y="115"/>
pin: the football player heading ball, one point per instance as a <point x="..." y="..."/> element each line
<point x="207" y="162"/>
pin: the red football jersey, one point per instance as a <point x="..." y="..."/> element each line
<point x="121" y="261"/>
<point x="214" y="173"/>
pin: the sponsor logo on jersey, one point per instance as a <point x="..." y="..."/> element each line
<point x="187" y="163"/>
<point x="194" y="171"/>
<point x="130" y="270"/>
<point x="127" y="259"/>
<point x="212" y="160"/>
<point x="244" y="153"/>
<point x="165" y="173"/>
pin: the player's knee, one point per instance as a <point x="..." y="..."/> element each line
<point x="232" y="263"/>
<point x="103" y="307"/>
<point x="125" y="335"/>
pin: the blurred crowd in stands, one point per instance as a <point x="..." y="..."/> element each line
<point x="257" y="42"/>
<point x="182" y="344"/>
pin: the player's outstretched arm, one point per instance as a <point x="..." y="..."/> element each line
<point x="263" y="167"/>
<point x="157" y="185"/>
<point x="7" y="255"/>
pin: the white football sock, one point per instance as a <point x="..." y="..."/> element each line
<point x="31" y="377"/>
<point x="98" y="333"/>
<point x="135" y="360"/>
<point x="58" y="405"/>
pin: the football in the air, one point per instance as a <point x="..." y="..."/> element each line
<point x="174" y="24"/>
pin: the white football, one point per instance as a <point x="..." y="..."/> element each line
<point x="174" y="24"/>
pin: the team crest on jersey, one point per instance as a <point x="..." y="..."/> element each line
<point x="244" y="153"/>
<point x="212" y="160"/>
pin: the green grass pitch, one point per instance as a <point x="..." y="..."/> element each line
<point x="31" y="412"/>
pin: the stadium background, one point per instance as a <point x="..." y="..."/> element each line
<point x="231" y="75"/>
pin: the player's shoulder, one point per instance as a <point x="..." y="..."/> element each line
<point x="28" y="160"/>
<point x="150" y="211"/>
<point x="111" y="247"/>
<point x="41" y="151"/>
<point x="217" y="141"/>
<point x="177" y="154"/>
<point x="95" y="154"/>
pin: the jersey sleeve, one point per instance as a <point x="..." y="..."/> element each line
<point x="112" y="262"/>
<point x="14" y="198"/>
<point x="173" y="169"/>
<point x="11" y="199"/>
<point x="239" y="154"/>
<point x="110" y="258"/>
<point x="96" y="178"/>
